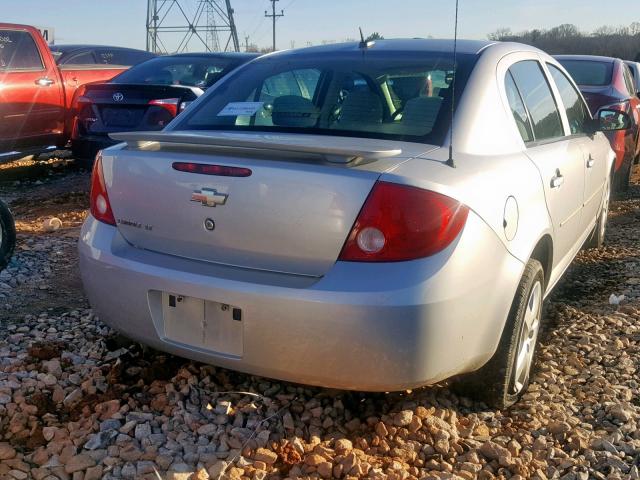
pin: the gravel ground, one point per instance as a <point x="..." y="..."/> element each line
<point x="79" y="402"/>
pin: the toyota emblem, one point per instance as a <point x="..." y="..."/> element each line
<point x="118" y="97"/>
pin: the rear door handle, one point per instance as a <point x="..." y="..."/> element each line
<point x="44" y="82"/>
<point x="590" y="162"/>
<point x="557" y="180"/>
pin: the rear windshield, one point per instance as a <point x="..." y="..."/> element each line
<point x="388" y="95"/>
<point x="186" y="71"/>
<point x="589" y="72"/>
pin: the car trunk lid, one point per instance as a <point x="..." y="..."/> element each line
<point x="291" y="214"/>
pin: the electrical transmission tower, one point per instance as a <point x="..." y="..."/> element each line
<point x="191" y="25"/>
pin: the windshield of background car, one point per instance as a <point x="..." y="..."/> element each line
<point x="185" y="71"/>
<point x="589" y="72"/>
<point x="388" y="95"/>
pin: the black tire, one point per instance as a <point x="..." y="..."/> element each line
<point x="83" y="155"/>
<point x="7" y="235"/>
<point x="596" y="240"/>
<point x="623" y="178"/>
<point x="495" y="383"/>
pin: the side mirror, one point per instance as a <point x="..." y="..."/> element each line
<point x="612" y="120"/>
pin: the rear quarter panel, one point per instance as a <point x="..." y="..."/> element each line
<point x="484" y="184"/>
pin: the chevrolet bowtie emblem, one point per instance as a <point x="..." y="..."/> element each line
<point x="209" y="197"/>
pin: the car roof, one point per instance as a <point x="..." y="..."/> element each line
<point x="394" y="45"/>
<point x="72" y="47"/>
<point x="592" y="58"/>
<point x="238" y="55"/>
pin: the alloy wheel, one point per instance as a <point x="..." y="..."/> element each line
<point x="527" y="339"/>
<point x="605" y="210"/>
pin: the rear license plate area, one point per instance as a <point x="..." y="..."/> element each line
<point x="202" y="324"/>
<point x="119" y="117"/>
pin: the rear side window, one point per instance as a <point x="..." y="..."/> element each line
<point x="518" y="109"/>
<point x="121" y="57"/>
<point x="577" y="112"/>
<point x="538" y="99"/>
<point x="18" y="51"/>
<point x="589" y="72"/>
<point x="628" y="80"/>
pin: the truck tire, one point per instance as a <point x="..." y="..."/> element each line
<point x="505" y="377"/>
<point x="7" y="235"/>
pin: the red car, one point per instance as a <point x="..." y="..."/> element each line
<point x="608" y="82"/>
<point x="35" y="93"/>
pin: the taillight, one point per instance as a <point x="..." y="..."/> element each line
<point x="99" y="200"/>
<point x="399" y="222"/>
<point x="169" y="104"/>
<point x="207" y="169"/>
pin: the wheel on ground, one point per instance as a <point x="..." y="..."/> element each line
<point x="596" y="240"/>
<point x="82" y="156"/>
<point x="7" y="235"/>
<point x="623" y="178"/>
<point x="502" y="381"/>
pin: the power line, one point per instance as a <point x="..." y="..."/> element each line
<point x="274" y="16"/>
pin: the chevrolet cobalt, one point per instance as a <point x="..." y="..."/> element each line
<point x="307" y="220"/>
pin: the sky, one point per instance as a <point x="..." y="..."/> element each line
<point x="122" y="22"/>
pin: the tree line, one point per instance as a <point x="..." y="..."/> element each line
<point x="621" y="42"/>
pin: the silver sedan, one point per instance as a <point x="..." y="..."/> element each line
<point x="373" y="216"/>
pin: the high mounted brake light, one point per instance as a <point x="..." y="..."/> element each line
<point x="400" y="222"/>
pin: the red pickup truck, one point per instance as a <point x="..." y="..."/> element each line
<point x="36" y="95"/>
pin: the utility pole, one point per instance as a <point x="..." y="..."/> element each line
<point x="274" y="16"/>
<point x="246" y="43"/>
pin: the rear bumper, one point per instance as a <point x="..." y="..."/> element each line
<point x="374" y="327"/>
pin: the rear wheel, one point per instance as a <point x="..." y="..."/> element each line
<point x="83" y="155"/>
<point x="502" y="381"/>
<point x="623" y="178"/>
<point x="7" y="235"/>
<point x="596" y="240"/>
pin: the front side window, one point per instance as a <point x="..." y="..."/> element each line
<point x="537" y="96"/>
<point x="18" y="51"/>
<point x="388" y="95"/>
<point x="84" y="58"/>
<point x="518" y="109"/>
<point x="577" y="112"/>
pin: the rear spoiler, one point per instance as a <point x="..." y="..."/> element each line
<point x="265" y="143"/>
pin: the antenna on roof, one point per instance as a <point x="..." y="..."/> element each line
<point x="450" y="160"/>
<point x="364" y="43"/>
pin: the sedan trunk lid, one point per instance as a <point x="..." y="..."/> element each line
<point x="282" y="203"/>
